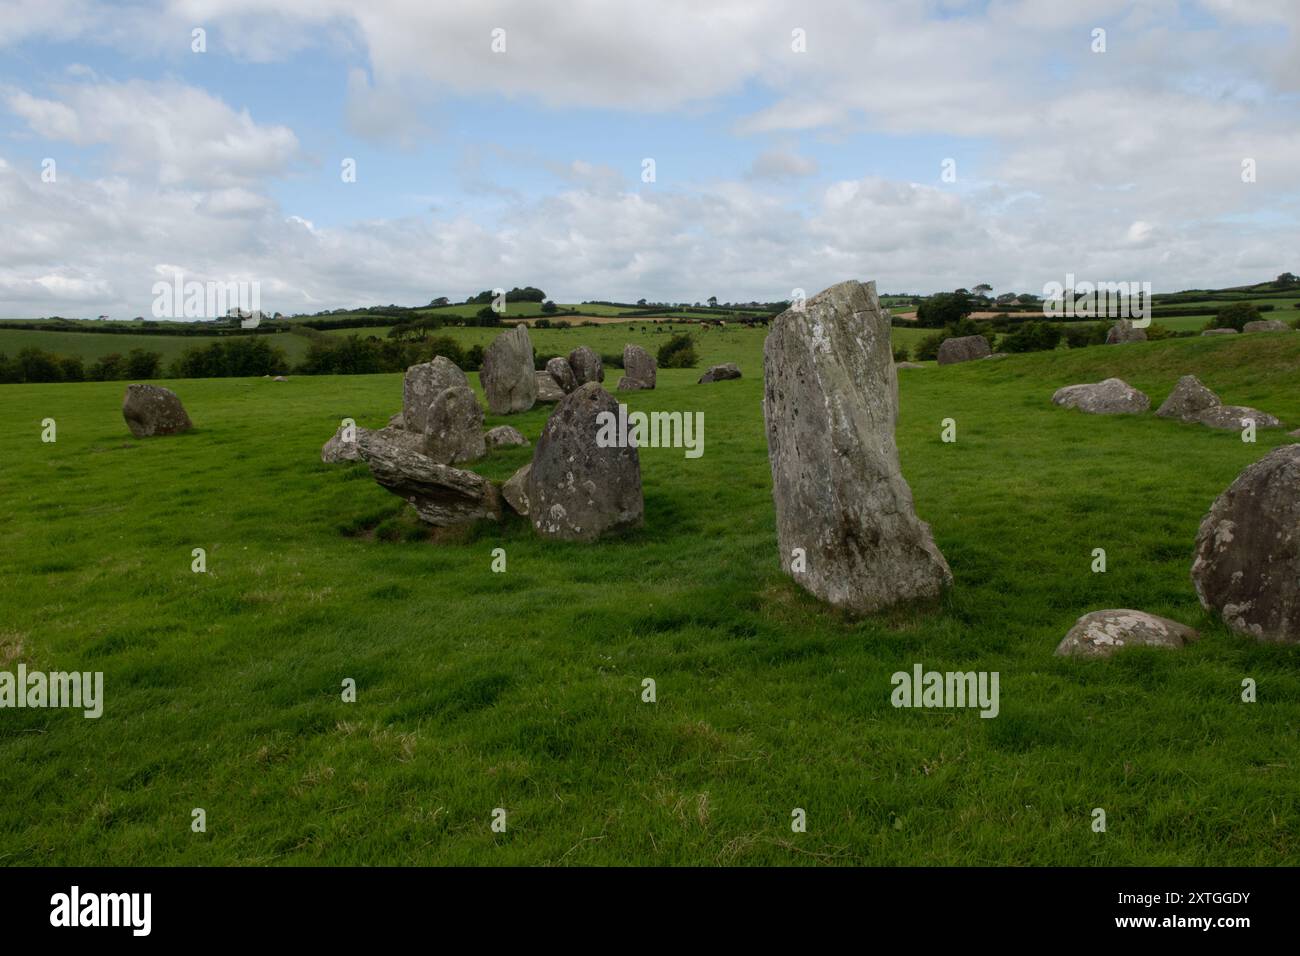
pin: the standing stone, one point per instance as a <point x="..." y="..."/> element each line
<point x="1247" y="566"/>
<point x="508" y="377"/>
<point x="1188" y="399"/>
<point x="441" y="495"/>
<point x="515" y="490"/>
<point x="586" y="365"/>
<point x="547" y="390"/>
<point x="453" y="429"/>
<point x="1102" y="633"/>
<point x="831" y="402"/>
<point x="576" y="489"/>
<point x="562" y="372"/>
<point x="422" y="384"/>
<point x="1114" y="396"/>
<point x="719" y="373"/>
<point x="963" y="349"/>
<point x="152" y="410"/>
<point x="1266" y="325"/>
<point x="638" y="367"/>
<point x="1123" y="331"/>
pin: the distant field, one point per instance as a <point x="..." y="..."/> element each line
<point x="91" y="345"/>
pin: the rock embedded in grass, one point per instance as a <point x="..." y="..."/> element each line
<point x="1123" y="332"/>
<point x="453" y="428"/>
<point x="422" y="384"/>
<point x="963" y="348"/>
<point x="1102" y="633"/>
<point x="720" y="373"/>
<point x="1219" y="332"/>
<point x="336" y="450"/>
<point x="1266" y="325"/>
<point x="504" y="436"/>
<point x="152" y="410"/>
<point x="578" y="490"/>
<point x="562" y="373"/>
<point x="1188" y="400"/>
<point x="1232" y="418"/>
<point x="1247" y="565"/>
<point x="508" y="377"/>
<point x="909" y="365"/>
<point x="639" y="369"/>
<point x="586" y="366"/>
<point x="1113" y="396"/>
<point x="515" y="490"/>
<point x="441" y="495"/>
<point x="846" y="528"/>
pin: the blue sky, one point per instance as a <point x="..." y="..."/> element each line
<point x="776" y="168"/>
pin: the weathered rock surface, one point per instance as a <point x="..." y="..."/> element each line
<point x="586" y="366"/>
<point x="152" y="410"/>
<point x="1123" y="331"/>
<point x="1188" y="400"/>
<point x="422" y="384"/>
<point x="830" y="404"/>
<point x="1230" y="418"/>
<point x="639" y="369"/>
<point x="547" y="390"/>
<point x="963" y="349"/>
<point x="1114" y="396"/>
<point x="338" y="450"/>
<point x="453" y="429"/>
<point x="720" y="373"/>
<point x="1247" y="565"/>
<point x="909" y="365"/>
<point x="562" y="372"/>
<point x="1102" y="633"/>
<point x="397" y="421"/>
<point x="505" y="435"/>
<point x="441" y="495"/>
<point x="508" y="377"/>
<point x="1266" y="325"/>
<point x="515" y="490"/>
<point x="576" y="489"/>
<point x="1219" y="332"/>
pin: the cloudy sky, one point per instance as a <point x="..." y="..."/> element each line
<point x="927" y="145"/>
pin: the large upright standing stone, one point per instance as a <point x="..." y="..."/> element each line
<point x="560" y="370"/>
<point x="580" y="486"/>
<point x="508" y="377"/>
<point x="845" y="522"/>
<point x="586" y="365"/>
<point x="453" y="431"/>
<point x="1247" y="566"/>
<point x="424" y="383"/>
<point x="640" y="368"/>
<point x="152" y="410"/>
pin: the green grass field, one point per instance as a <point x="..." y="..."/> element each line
<point x="522" y="690"/>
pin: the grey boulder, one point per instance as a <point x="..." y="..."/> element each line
<point x="1123" y="331"/>
<point x="152" y="410"/>
<point x="560" y="370"/>
<point x="339" y="449"/>
<point x="1247" y="565"/>
<point x="1219" y="332"/>
<point x="586" y="366"/>
<point x="515" y="490"/>
<point x="504" y="436"/>
<point x="1188" y="400"/>
<point x="547" y="390"/>
<point x="1266" y="325"/>
<point x="578" y="490"/>
<point x="453" y="429"/>
<point x="508" y="377"/>
<point x="441" y="495"/>
<point x="1232" y="418"/>
<point x="963" y="349"/>
<point x="720" y="373"/>
<point x="422" y="384"/>
<point x="845" y="523"/>
<point x="1102" y="633"/>
<point x="639" y="369"/>
<point x="1114" y="396"/>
